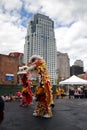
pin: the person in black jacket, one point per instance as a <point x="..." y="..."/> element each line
<point x="2" y="105"/>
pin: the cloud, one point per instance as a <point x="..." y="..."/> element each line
<point x="70" y="21"/>
<point x="12" y="36"/>
<point x="32" y="6"/>
<point x="10" y="5"/>
<point x="73" y="40"/>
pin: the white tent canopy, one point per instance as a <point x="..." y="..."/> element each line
<point x="74" y="80"/>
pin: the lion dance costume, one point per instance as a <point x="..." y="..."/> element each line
<point x="26" y="86"/>
<point x="43" y="93"/>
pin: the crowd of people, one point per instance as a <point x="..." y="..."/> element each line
<point x="78" y="92"/>
<point x="11" y="96"/>
<point x="74" y="92"/>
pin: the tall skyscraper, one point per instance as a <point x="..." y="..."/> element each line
<point x="40" y="40"/>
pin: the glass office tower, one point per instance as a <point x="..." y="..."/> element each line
<point x="40" y="40"/>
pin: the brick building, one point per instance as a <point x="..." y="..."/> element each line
<point x="20" y="57"/>
<point x="8" y="66"/>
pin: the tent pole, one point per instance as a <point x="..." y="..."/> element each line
<point x="68" y="90"/>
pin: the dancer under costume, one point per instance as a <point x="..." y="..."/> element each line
<point x="42" y="105"/>
<point x="44" y="91"/>
<point x="26" y="89"/>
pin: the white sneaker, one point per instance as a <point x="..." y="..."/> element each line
<point x="34" y="114"/>
<point x="47" y="116"/>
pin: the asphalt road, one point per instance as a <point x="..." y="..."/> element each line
<point x="68" y="114"/>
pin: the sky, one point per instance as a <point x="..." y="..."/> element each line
<point x="70" y="25"/>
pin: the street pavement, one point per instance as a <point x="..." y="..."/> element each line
<point x="68" y="114"/>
